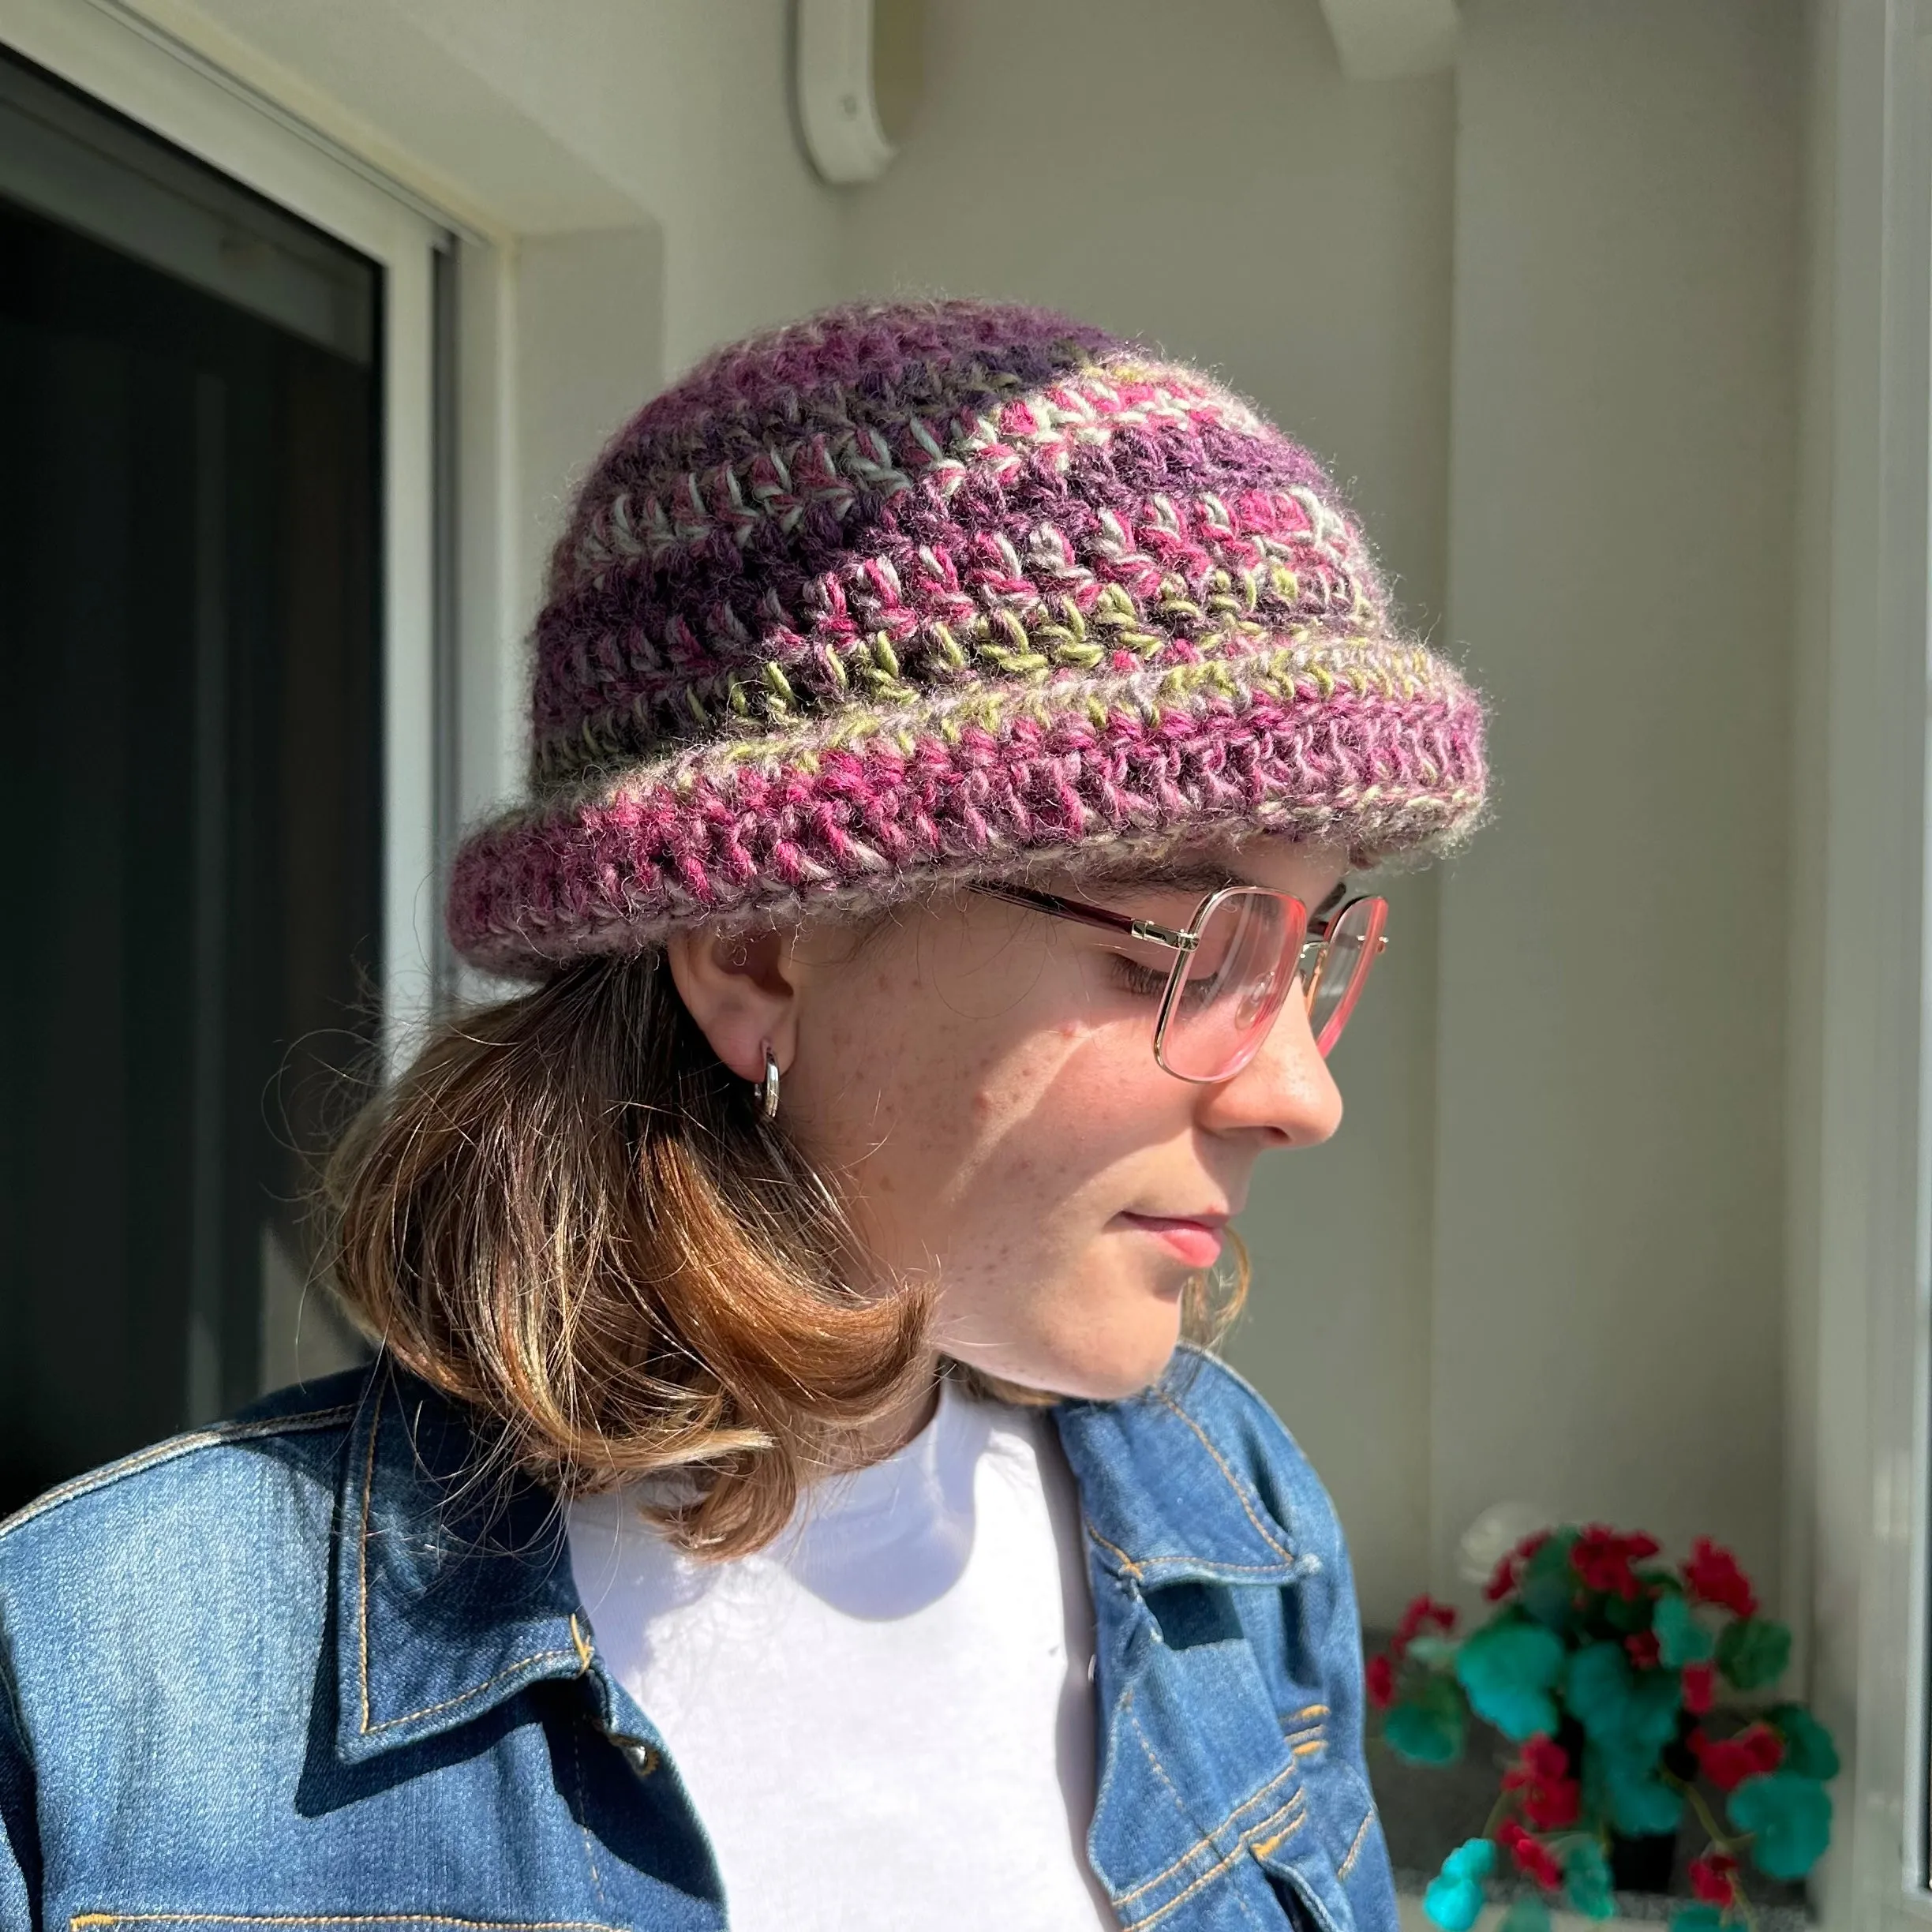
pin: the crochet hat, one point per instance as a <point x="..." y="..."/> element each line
<point x="916" y="593"/>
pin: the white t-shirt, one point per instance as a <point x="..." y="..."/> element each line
<point x="885" y="1719"/>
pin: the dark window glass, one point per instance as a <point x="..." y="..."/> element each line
<point x="189" y="630"/>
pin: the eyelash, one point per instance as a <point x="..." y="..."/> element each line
<point x="1140" y="980"/>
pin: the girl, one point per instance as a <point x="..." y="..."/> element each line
<point x="791" y="1490"/>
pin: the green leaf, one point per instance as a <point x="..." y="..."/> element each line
<point x="1529" y="1914"/>
<point x="1546" y="1586"/>
<point x="1428" y="1726"/>
<point x="1433" y="1652"/>
<point x="1789" y="1819"/>
<point x="1586" y="1879"/>
<point x="1454" y="1904"/>
<point x="1640" y="1804"/>
<point x="1681" y="1638"/>
<point x="1454" y="1898"/>
<point x="1699" y="1917"/>
<point x="1808" y="1748"/>
<point x="1631" y="1713"/>
<point x="1626" y="1614"/>
<point x="1509" y="1668"/>
<point x="1753" y="1651"/>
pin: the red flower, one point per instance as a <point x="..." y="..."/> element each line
<point x="1602" y="1560"/>
<point x="1420" y="1614"/>
<point x="1551" y="1799"/>
<point x="1642" y="1646"/>
<point x="1382" y="1669"/>
<point x="1700" y="1687"/>
<point x="1381" y="1680"/>
<point x="1532" y="1856"/>
<point x="1554" y="1806"/>
<point x="1727" y="1762"/>
<point x="1713" y="1577"/>
<point x="1504" y="1580"/>
<point x="1544" y="1759"/>
<point x="1712" y="1878"/>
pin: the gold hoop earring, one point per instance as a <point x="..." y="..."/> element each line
<point x="767" y="1089"/>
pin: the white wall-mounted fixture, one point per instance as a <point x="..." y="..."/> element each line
<point x="858" y="77"/>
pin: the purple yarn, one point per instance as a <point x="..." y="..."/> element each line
<point x="910" y="594"/>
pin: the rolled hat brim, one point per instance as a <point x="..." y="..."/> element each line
<point x="1370" y="743"/>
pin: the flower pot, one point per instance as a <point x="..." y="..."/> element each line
<point x="1647" y="1864"/>
<point x="1642" y="1864"/>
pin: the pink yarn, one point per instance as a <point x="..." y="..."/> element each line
<point x="913" y="594"/>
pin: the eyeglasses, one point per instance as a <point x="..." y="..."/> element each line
<point x="1237" y="960"/>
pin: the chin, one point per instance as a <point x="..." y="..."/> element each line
<point x="1110" y="1364"/>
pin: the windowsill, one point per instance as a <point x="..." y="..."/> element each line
<point x="1634" y="1908"/>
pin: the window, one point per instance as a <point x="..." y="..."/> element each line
<point x="217" y="590"/>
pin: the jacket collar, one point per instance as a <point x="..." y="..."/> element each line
<point x="1164" y="1492"/>
<point x="452" y="1586"/>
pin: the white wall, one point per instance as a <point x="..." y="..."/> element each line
<point x="1206" y="178"/>
<point x="1544" y="1259"/>
<point x="1608" y="1286"/>
<point x="531" y="117"/>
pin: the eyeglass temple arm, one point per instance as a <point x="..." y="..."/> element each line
<point x="1092" y="915"/>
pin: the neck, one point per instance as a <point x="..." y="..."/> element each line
<point x="887" y="1434"/>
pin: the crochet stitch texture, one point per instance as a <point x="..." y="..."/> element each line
<point x="910" y="594"/>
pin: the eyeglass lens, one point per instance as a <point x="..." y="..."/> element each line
<point x="1339" y="968"/>
<point x="1252" y="953"/>
<point x="1232" y="985"/>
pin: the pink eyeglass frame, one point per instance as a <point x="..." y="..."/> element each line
<point x="1183" y="941"/>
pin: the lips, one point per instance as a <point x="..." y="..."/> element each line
<point x="1195" y="1240"/>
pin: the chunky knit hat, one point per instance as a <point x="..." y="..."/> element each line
<point x="915" y="593"/>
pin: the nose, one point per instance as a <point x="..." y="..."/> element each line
<point x="1285" y="1094"/>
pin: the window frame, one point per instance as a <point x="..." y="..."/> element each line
<point x="1861" y="1356"/>
<point x="136" y="70"/>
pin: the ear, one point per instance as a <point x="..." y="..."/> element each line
<point x="740" y="988"/>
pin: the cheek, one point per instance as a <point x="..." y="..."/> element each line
<point x="960" y="1133"/>
<point x="1027" y="1161"/>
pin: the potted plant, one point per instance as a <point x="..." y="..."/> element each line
<point x="1605" y="1668"/>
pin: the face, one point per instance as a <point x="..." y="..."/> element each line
<point x="983" y="1075"/>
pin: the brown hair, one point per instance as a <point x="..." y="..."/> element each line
<point x="568" y="1216"/>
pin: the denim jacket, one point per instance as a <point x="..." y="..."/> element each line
<point x="309" y="1668"/>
